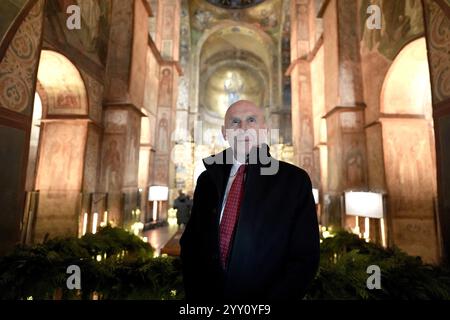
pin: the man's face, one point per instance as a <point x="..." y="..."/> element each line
<point x="244" y="127"/>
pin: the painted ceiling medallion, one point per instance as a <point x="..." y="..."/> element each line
<point x="235" y="4"/>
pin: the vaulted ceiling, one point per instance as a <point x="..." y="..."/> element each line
<point x="239" y="43"/>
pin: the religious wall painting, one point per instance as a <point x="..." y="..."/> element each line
<point x="265" y="17"/>
<point x="233" y="87"/>
<point x="92" y="38"/>
<point x="19" y="65"/>
<point x="401" y="21"/>
<point x="169" y="17"/>
<point x="306" y="163"/>
<point x="61" y="156"/>
<point x="165" y="88"/>
<point x="116" y="121"/>
<point x="183" y="94"/>
<point x="120" y="44"/>
<point x="113" y="163"/>
<point x="163" y="131"/>
<point x="95" y="96"/>
<point x="438" y="37"/>
<point x="152" y="121"/>
<point x="161" y="170"/>
<point x="354" y="161"/>
<point x="375" y="161"/>
<point x="268" y="20"/>
<point x="148" y="88"/>
<point x="409" y="167"/>
<point x="63" y="84"/>
<point x="306" y="133"/>
<point x="203" y="19"/>
<point x="132" y="150"/>
<point x="91" y="159"/>
<point x="302" y="21"/>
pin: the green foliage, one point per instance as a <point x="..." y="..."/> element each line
<point x="343" y="272"/>
<point x="127" y="270"/>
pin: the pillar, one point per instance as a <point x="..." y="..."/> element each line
<point x="18" y="65"/>
<point x="344" y="108"/>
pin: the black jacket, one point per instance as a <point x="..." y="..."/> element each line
<point x="275" y="251"/>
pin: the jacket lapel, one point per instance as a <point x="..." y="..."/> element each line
<point x="219" y="169"/>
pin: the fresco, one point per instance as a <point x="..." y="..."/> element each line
<point x="402" y="21"/>
<point x="92" y="38"/>
<point x="18" y="67"/>
<point x="91" y="159"/>
<point x="438" y="37"/>
<point x="61" y="156"/>
<point x="265" y="16"/>
<point x="63" y="85"/>
<point x="10" y="9"/>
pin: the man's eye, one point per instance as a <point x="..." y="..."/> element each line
<point x="235" y="121"/>
<point x="251" y="120"/>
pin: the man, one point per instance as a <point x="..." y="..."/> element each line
<point x="183" y="205"/>
<point x="253" y="232"/>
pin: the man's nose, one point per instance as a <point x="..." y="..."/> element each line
<point x="244" y="126"/>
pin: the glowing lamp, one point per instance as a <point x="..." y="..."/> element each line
<point x="156" y="194"/>
<point x="367" y="205"/>
<point x="364" y="204"/>
<point x="316" y="195"/>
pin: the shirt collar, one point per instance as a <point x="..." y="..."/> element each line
<point x="235" y="167"/>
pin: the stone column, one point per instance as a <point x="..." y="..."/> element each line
<point x="343" y="103"/>
<point x="168" y="43"/>
<point x="120" y="158"/>
<point x="302" y="121"/>
<point x="60" y="177"/>
<point x="437" y="20"/>
<point x="18" y="66"/>
<point x="124" y="99"/>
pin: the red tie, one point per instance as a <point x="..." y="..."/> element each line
<point x="230" y="214"/>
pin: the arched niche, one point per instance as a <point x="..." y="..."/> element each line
<point x="406" y="88"/>
<point x="234" y="62"/>
<point x="407" y="159"/>
<point x="63" y="85"/>
<point x="229" y="41"/>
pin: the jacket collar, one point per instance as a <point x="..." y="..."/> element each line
<point x="219" y="165"/>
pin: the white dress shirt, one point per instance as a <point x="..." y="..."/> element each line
<point x="233" y="172"/>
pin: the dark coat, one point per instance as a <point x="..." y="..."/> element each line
<point x="275" y="251"/>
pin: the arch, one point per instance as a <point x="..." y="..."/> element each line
<point x="63" y="85"/>
<point x="406" y="88"/>
<point x="407" y="158"/>
<point x="228" y="25"/>
<point x="241" y="37"/>
<point x="249" y="34"/>
<point x="256" y="80"/>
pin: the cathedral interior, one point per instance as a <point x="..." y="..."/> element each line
<point x="107" y="109"/>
